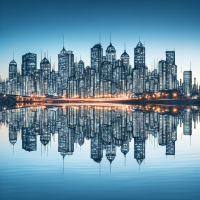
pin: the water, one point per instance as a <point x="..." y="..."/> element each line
<point x="36" y="143"/>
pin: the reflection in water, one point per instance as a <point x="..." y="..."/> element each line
<point x="107" y="127"/>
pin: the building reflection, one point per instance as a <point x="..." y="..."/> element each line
<point x="107" y="127"/>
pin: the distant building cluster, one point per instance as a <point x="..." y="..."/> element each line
<point x="107" y="75"/>
<point x="106" y="128"/>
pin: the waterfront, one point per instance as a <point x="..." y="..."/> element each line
<point x="161" y="147"/>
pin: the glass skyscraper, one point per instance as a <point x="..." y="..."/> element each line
<point x="187" y="83"/>
<point x="29" y="64"/>
<point x="96" y="57"/>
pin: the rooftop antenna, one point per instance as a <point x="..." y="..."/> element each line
<point x="100" y="38"/>
<point x="125" y="46"/>
<point x="80" y="57"/>
<point x="63" y="40"/>
<point x="157" y="64"/>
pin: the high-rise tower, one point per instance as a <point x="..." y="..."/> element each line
<point x="139" y="56"/>
<point x="111" y="53"/>
<point x="29" y="64"/>
<point x="96" y="57"/>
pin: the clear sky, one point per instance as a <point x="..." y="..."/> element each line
<point x="29" y="26"/>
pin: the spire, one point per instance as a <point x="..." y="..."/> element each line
<point x="124" y="46"/>
<point x="63" y="40"/>
<point x="100" y="38"/>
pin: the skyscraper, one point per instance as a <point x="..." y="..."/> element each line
<point x="12" y="70"/>
<point x="13" y="77"/>
<point x="187" y="83"/>
<point x="63" y="67"/>
<point x="139" y="71"/>
<point x="96" y="57"/>
<point x="139" y="56"/>
<point x="162" y="75"/>
<point x="111" y="53"/>
<point x="45" y="69"/>
<point x="125" y="61"/>
<point x="29" y="64"/>
<point x="171" y="70"/>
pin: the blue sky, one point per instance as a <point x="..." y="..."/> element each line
<point x="29" y="26"/>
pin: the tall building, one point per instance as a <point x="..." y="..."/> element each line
<point x="45" y="70"/>
<point x="63" y="68"/>
<point x="96" y="57"/>
<point x="125" y="61"/>
<point x="171" y="70"/>
<point x="187" y="83"/>
<point x="12" y="70"/>
<point x="139" y="56"/>
<point x="162" y="75"/>
<point x="111" y="53"/>
<point x="13" y="77"/>
<point x="29" y="64"/>
<point x="139" y="71"/>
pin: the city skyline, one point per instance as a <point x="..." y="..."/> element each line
<point x="107" y="76"/>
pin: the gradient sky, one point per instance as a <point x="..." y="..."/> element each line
<point x="29" y="26"/>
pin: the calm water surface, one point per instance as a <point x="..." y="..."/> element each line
<point x="94" y="152"/>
